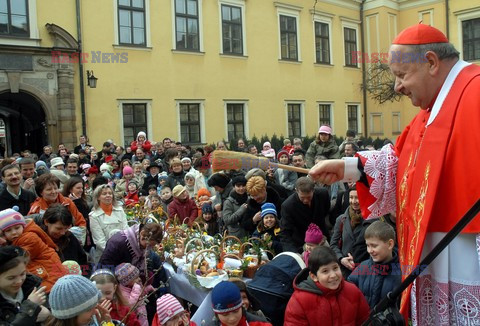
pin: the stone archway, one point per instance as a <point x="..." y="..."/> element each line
<point x="29" y="76"/>
<point x="25" y="122"/>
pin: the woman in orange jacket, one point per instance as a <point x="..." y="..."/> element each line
<point x="47" y="188"/>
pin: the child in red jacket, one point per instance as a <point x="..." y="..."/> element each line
<point x="323" y="297"/>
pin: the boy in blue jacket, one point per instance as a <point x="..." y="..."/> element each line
<point x="379" y="274"/>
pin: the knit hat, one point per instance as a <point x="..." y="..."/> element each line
<point x="282" y="153"/>
<point x="85" y="166"/>
<point x="126" y="273"/>
<point x="134" y="182"/>
<point x="71" y="295"/>
<point x="186" y="159"/>
<point x="267" y="144"/>
<point x="239" y="179"/>
<point x="162" y="175"/>
<point x="142" y="133"/>
<point x="226" y="297"/>
<point x="218" y="179"/>
<point x="313" y="234"/>
<point x="56" y="161"/>
<point x="74" y="156"/>
<point x="106" y="167"/>
<point x="93" y="170"/>
<point x="207" y="208"/>
<point x="9" y="218"/>
<point x="72" y="267"/>
<point x="203" y="192"/>
<point x="167" y="308"/>
<point x="177" y="190"/>
<point x="325" y="130"/>
<point x="189" y="175"/>
<point x="108" y="158"/>
<point x="127" y="170"/>
<point x="269" y="208"/>
<point x="40" y="163"/>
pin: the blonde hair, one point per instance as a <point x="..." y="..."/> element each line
<point x="105" y="278"/>
<point x="255" y="185"/>
<point x="98" y="191"/>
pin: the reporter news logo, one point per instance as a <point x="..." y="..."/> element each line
<point x="92" y="57"/>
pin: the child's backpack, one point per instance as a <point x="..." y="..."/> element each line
<point x="272" y="284"/>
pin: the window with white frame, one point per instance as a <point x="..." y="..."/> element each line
<point x="232" y="29"/>
<point x="325" y="114"/>
<point x="376" y="123"/>
<point x="350" y="45"/>
<point x="294" y="114"/>
<point x="396" y="123"/>
<point x="187" y="29"/>
<point x="190" y="123"/>
<point x="134" y="121"/>
<point x="471" y="39"/>
<point x="352" y="117"/>
<point x="235" y="120"/>
<point x="131" y="22"/>
<point x="322" y="42"/>
<point x="14" y="18"/>
<point x="288" y="38"/>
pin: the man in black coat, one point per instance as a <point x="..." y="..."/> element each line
<point x="14" y="194"/>
<point x="307" y="205"/>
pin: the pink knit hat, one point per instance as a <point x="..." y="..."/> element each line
<point x="167" y="308"/>
<point x="127" y="170"/>
<point x="325" y="130"/>
<point x="314" y="234"/>
<point x="126" y="273"/>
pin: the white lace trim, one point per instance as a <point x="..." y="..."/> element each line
<point x="477" y="242"/>
<point x="381" y="166"/>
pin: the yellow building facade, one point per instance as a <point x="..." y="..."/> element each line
<point x="200" y="71"/>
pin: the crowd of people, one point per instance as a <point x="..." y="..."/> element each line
<point x="64" y="215"/>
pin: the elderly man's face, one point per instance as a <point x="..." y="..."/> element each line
<point x="413" y="77"/>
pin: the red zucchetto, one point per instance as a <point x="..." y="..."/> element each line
<point x="420" y="34"/>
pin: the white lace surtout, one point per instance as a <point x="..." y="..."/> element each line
<point x="448" y="291"/>
<point x="382" y="167"/>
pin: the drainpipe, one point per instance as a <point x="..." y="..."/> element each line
<point x="364" y="71"/>
<point x="80" y="68"/>
<point x="447" y="19"/>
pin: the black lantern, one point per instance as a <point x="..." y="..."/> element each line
<point x="91" y="79"/>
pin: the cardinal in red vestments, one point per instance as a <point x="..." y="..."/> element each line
<point x="429" y="178"/>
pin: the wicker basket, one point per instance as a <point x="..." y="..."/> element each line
<point x="203" y="282"/>
<point x="237" y="241"/>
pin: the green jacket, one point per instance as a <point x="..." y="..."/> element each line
<point x="329" y="150"/>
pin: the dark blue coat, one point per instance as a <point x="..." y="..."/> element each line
<point x="376" y="280"/>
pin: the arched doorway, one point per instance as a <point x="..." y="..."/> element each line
<point x="25" y="126"/>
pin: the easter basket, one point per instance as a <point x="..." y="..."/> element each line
<point x="254" y="257"/>
<point x="201" y="274"/>
<point x="232" y="264"/>
<point x="231" y="245"/>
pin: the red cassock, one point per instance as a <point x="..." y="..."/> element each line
<point x="437" y="176"/>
